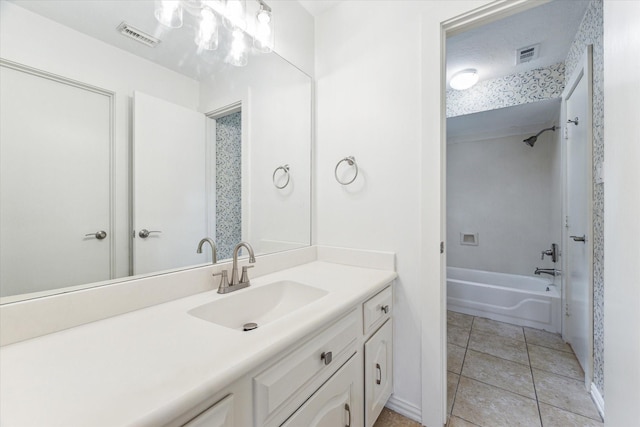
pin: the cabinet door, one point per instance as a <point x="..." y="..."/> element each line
<point x="219" y="415"/>
<point x="378" y="380"/>
<point x="337" y="403"/>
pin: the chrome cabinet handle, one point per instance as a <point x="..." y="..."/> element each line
<point x="348" y="409"/>
<point x="326" y="357"/>
<point x="384" y="308"/>
<point x="144" y="233"/>
<point x="98" y="234"/>
<point x="582" y="238"/>
<point x="379" y="371"/>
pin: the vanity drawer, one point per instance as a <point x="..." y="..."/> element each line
<point x="282" y="388"/>
<point x="377" y="309"/>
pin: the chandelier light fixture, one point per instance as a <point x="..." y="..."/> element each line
<point x="231" y="15"/>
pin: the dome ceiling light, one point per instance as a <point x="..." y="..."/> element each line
<point x="464" y="79"/>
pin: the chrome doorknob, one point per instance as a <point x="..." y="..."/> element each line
<point x="98" y="234"/>
<point x="144" y="233"/>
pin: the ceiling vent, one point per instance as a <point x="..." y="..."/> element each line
<point x="138" y="35"/>
<point x="526" y="54"/>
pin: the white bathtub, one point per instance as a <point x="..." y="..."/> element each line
<point x="521" y="300"/>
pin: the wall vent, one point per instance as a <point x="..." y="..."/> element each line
<point x="526" y="54"/>
<point x="137" y="35"/>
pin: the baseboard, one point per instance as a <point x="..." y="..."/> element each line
<point x="404" y="408"/>
<point x="597" y="399"/>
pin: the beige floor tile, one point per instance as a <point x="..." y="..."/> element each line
<point x="457" y="335"/>
<point x="486" y="405"/>
<point x="558" y="362"/>
<point x="565" y="393"/>
<point x="452" y="386"/>
<point x="459" y="422"/>
<point x="389" y="418"/>
<point x="455" y="356"/>
<point x="556" y="417"/>
<point x="546" y="339"/>
<point x="511" y="376"/>
<point x="505" y="348"/>
<point x="498" y="328"/>
<point x="459" y="319"/>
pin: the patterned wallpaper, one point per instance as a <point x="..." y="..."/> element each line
<point x="590" y="32"/>
<point x="228" y="184"/>
<point x="515" y="89"/>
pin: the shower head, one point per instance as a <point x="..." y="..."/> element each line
<point x="532" y="139"/>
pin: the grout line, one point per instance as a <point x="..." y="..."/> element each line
<point x="498" y="387"/>
<point x="501" y="358"/>
<point x="580" y="380"/>
<point x="464" y="357"/>
<point x="535" y="389"/>
<point x="599" y="419"/>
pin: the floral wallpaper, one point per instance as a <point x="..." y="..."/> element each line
<point x="515" y="89"/>
<point x="590" y="32"/>
<point x="228" y="184"/>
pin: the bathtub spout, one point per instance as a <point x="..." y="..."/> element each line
<point x="549" y="271"/>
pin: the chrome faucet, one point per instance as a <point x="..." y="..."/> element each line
<point x="214" y="251"/>
<point x="554" y="253"/>
<point x="549" y="271"/>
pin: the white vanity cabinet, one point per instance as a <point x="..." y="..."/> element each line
<point x="337" y="403"/>
<point x="378" y="354"/>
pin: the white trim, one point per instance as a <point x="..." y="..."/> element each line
<point x="597" y="399"/>
<point x="404" y="408"/>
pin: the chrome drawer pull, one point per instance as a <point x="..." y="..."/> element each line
<point x="379" y="369"/>
<point x="385" y="309"/>
<point x="326" y="357"/>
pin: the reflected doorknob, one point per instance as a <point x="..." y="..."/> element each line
<point x="98" y="234"/>
<point x="144" y="233"/>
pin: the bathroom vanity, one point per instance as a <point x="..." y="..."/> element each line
<point x="321" y="355"/>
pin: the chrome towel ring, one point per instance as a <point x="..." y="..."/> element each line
<point x="285" y="170"/>
<point x="351" y="161"/>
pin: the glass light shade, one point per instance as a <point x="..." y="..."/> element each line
<point x="264" y="38"/>
<point x="235" y="14"/>
<point x="464" y="79"/>
<point x="169" y="13"/>
<point x="207" y="33"/>
<point x="239" y="52"/>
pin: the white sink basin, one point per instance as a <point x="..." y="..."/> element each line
<point x="261" y="305"/>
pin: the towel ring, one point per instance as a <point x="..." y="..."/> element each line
<point x="352" y="162"/>
<point x="285" y="168"/>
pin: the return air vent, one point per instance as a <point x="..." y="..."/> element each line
<point x="526" y="54"/>
<point x="138" y="35"/>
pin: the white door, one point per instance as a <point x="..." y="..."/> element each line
<point x="378" y="372"/>
<point x="578" y="246"/>
<point x="169" y="196"/>
<point x="55" y="146"/>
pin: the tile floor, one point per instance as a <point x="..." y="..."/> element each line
<point x="502" y="375"/>
<point x="505" y="375"/>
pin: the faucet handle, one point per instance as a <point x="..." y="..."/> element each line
<point x="224" y="281"/>
<point x="245" y="276"/>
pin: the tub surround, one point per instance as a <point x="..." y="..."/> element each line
<point x="153" y="365"/>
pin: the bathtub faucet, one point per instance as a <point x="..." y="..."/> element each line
<point x="549" y="271"/>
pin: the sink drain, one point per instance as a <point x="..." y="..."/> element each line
<point x="249" y="326"/>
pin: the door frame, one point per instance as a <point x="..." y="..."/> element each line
<point x="583" y="70"/>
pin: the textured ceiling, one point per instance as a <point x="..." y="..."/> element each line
<point x="491" y="49"/>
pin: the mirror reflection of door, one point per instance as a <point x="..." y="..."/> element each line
<point x="169" y="185"/>
<point x="55" y="154"/>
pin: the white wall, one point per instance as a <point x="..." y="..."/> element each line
<point x="621" y="214"/>
<point x="503" y="190"/>
<point x="32" y="40"/>
<point x="276" y="121"/>
<point x="377" y="68"/>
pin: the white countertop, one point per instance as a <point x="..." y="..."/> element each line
<point x="151" y="365"/>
